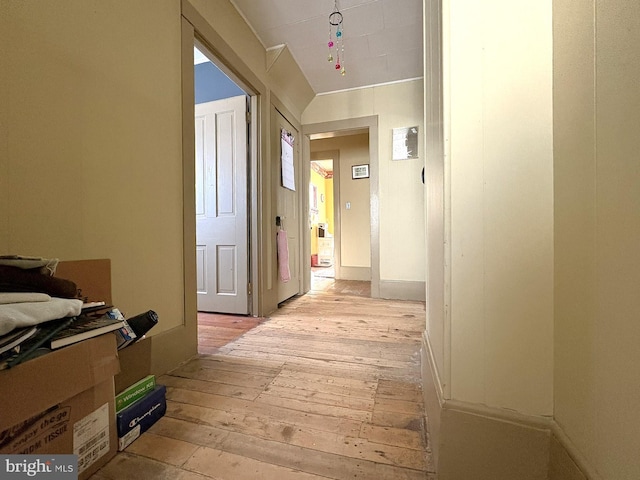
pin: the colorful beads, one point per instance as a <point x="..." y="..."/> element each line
<point x="330" y="44"/>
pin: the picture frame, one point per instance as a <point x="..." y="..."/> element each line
<point x="405" y="143"/>
<point x="360" y="171"/>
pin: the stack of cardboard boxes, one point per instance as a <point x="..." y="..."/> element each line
<point x="64" y="402"/>
<point x="139" y="401"/>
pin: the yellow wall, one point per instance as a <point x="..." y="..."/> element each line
<point x="597" y="231"/>
<point x="321" y="216"/>
<point x="328" y="202"/>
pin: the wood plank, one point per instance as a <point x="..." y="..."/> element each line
<point x="313" y="461"/>
<point x="317" y="408"/>
<point x="126" y="466"/>
<point x="224" y="389"/>
<point x="399" y="406"/>
<point x="230" y="378"/>
<point x="399" y="437"/>
<point x="230" y="466"/>
<point x="260" y="414"/>
<point x="324" y="398"/>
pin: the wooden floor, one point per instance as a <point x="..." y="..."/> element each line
<point x="326" y="388"/>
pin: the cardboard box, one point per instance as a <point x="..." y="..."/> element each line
<point x="93" y="277"/>
<point x="63" y="403"/>
<point x="135" y="392"/>
<point x="136" y="419"/>
<point x="135" y="364"/>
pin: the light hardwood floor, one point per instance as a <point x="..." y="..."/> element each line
<point x="328" y="387"/>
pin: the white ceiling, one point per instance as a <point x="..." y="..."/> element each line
<point x="382" y="38"/>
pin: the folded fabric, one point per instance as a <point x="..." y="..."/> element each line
<point x="45" y="266"/>
<point x="14" y="279"/>
<point x="283" y="256"/>
<point x="16" y="315"/>
<point x="15" y="297"/>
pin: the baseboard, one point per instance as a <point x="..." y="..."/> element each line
<point x="432" y="397"/>
<point x="565" y="460"/>
<point x="469" y="440"/>
<point x="172" y="348"/>
<point x="403" y="290"/>
<point x="354" y="273"/>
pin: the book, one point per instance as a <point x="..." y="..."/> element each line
<point x="15" y="338"/>
<point x="89" y="307"/>
<point x="38" y="343"/>
<point x="83" y="328"/>
<point x="135" y="392"/>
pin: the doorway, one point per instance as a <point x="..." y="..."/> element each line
<point x="222" y="196"/>
<point x="321" y="221"/>
<point x="357" y="259"/>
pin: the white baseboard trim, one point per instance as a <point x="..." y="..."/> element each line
<point x="354" y="273"/>
<point x="531" y="423"/>
<point x="403" y="290"/>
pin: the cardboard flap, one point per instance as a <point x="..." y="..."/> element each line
<point x="93" y="277"/>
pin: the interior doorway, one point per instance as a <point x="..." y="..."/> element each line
<point x="322" y="220"/>
<point x="222" y="196"/>
<point x="356" y="258"/>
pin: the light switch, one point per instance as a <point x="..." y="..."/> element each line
<point x="348" y="206"/>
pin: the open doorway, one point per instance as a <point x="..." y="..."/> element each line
<point x="353" y="146"/>
<point x="221" y="189"/>
<point x="321" y="221"/>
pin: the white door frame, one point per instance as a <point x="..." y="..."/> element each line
<point x="343" y="126"/>
<point x="197" y="29"/>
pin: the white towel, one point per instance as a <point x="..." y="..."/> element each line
<point x="19" y="297"/>
<point x="16" y="315"/>
<point x="283" y="256"/>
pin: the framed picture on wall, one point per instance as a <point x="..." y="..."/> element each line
<point x="405" y="143"/>
<point x="360" y="171"/>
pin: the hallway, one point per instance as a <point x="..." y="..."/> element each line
<point x="327" y="387"/>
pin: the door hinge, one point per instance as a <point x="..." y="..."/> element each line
<point x="249" y="290"/>
<point x="248" y="117"/>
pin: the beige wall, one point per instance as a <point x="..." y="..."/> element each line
<point x="597" y="231"/>
<point x="401" y="196"/>
<point x="501" y="211"/>
<point x="355" y="224"/>
<point x="277" y="70"/>
<point x="91" y="142"/>
<point x="593" y="206"/>
<point x="93" y="157"/>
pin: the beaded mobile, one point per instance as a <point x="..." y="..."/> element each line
<point x="335" y="28"/>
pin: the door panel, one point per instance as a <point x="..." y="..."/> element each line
<point x="221" y="206"/>
<point x="288" y="206"/>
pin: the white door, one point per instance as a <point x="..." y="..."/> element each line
<point x="287" y="206"/>
<point x="221" y="206"/>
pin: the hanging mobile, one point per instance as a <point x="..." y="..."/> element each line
<point x="335" y="21"/>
